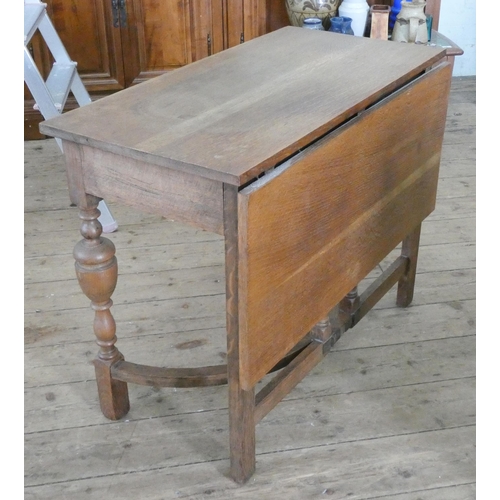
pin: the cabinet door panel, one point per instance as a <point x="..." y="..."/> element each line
<point x="207" y="28"/>
<point x="161" y="32"/>
<point x="87" y="32"/>
<point x="255" y="13"/>
<point x="234" y="34"/>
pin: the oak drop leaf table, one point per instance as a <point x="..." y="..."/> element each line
<point x="314" y="154"/>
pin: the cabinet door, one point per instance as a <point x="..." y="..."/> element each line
<point x="207" y="20"/>
<point x="245" y="19"/>
<point x="118" y="43"/>
<point x="160" y="36"/>
<point x="155" y="36"/>
<point x="92" y="40"/>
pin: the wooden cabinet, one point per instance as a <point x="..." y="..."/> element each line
<point x="119" y="43"/>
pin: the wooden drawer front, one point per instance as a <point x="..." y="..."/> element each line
<point x="175" y="194"/>
<point x="313" y="228"/>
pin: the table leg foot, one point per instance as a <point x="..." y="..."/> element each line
<point x="97" y="272"/>
<point x="241" y="434"/>
<point x="406" y="284"/>
<point x="113" y="394"/>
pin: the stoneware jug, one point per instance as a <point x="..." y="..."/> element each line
<point x="411" y="23"/>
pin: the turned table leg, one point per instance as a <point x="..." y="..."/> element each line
<point x="406" y="284"/>
<point x="97" y="273"/>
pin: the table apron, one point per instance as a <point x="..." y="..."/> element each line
<point x="175" y="194"/>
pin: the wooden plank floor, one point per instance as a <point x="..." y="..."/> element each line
<point x="390" y="413"/>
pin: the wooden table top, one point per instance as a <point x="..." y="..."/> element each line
<point x="235" y="114"/>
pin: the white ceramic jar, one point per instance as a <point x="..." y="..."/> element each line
<point x="357" y="10"/>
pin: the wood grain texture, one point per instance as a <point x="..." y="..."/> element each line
<point x="274" y="392"/>
<point x="150" y="188"/>
<point x="169" y="377"/>
<point x="313" y="229"/>
<point x="231" y="116"/>
<point x="87" y="33"/>
<point x="161" y="34"/>
<point x="389" y="414"/>
<point x="409" y="250"/>
<point x="241" y="400"/>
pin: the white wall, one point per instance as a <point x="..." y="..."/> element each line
<point x="457" y="21"/>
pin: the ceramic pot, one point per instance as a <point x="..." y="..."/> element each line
<point x="341" y="25"/>
<point x="357" y="10"/>
<point x="313" y="23"/>
<point x="411" y="23"/>
<point x="298" y="10"/>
